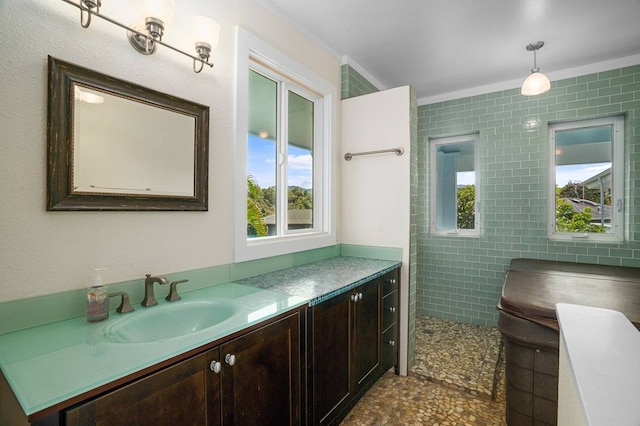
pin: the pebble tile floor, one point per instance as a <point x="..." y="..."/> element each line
<point x="458" y="379"/>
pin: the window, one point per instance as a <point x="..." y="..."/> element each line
<point x="454" y="180"/>
<point x="280" y="164"/>
<point x="586" y="178"/>
<point x="282" y="191"/>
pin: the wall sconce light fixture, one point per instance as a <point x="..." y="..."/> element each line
<point x="145" y="38"/>
<point x="537" y="82"/>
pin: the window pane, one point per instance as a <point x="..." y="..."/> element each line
<point x="583" y="169"/>
<point x="262" y="156"/>
<point x="455" y="186"/>
<point x="300" y="162"/>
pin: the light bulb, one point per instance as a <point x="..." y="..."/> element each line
<point x="535" y="84"/>
<point x="204" y="30"/>
<point x="159" y="9"/>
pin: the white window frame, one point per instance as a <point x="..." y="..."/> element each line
<point x="617" y="166"/>
<point x="434" y="143"/>
<point x="254" y="53"/>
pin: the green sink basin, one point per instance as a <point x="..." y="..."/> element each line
<point x="165" y="322"/>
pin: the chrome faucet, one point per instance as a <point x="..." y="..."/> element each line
<point x="149" y="298"/>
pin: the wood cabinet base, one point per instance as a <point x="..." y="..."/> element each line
<point x="352" y="342"/>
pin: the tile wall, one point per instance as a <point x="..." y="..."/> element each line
<point x="413" y="238"/>
<point x="461" y="278"/>
<point x="354" y="84"/>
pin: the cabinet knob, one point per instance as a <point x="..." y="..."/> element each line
<point x="354" y="297"/>
<point x="215" y="366"/>
<point x="391" y="342"/>
<point x="359" y="296"/>
<point x="230" y="359"/>
<point x="391" y="308"/>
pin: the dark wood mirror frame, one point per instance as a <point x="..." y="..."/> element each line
<point x="60" y="195"/>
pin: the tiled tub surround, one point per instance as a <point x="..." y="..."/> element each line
<point x="52" y="363"/>
<point x="461" y="278"/>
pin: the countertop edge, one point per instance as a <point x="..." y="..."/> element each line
<point x="346" y="288"/>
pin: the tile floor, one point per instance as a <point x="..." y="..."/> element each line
<point x="458" y="379"/>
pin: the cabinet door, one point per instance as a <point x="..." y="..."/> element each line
<point x="183" y="394"/>
<point x="366" y="332"/>
<point x="261" y="383"/>
<point x="329" y="355"/>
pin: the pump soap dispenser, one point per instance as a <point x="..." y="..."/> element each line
<point x="97" y="298"/>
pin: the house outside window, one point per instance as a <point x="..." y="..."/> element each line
<point x="282" y="180"/>
<point x="586" y="197"/>
<point x="455" y="193"/>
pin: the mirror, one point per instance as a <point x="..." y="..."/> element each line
<point x="114" y="145"/>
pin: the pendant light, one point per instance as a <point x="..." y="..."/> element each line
<point x="537" y="82"/>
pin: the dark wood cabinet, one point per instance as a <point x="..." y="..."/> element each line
<point x="329" y="354"/>
<point x="365" y="329"/>
<point x="185" y="394"/>
<point x="252" y="379"/>
<point x="263" y="386"/>
<point x="390" y="321"/>
<point x="346" y="353"/>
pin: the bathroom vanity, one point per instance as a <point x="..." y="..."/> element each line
<point x="241" y="381"/>
<point x="270" y="358"/>
<point x="352" y="328"/>
<point x="349" y="346"/>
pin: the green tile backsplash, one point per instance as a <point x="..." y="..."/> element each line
<point x="35" y="311"/>
<point x="461" y="278"/>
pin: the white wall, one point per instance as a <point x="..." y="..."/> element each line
<point x="47" y="252"/>
<point x="375" y="206"/>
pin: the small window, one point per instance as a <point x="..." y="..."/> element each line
<point x="454" y="186"/>
<point x="586" y="174"/>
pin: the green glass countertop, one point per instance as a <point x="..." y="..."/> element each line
<point x="52" y="363"/>
<point x="324" y="279"/>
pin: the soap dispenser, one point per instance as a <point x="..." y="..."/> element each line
<point x="97" y="298"/>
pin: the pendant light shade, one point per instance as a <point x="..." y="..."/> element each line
<point x="537" y="82"/>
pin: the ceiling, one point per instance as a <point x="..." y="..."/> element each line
<point x="442" y="47"/>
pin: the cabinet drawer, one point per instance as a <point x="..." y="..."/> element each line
<point x="390" y="282"/>
<point x="389" y="348"/>
<point x="390" y="309"/>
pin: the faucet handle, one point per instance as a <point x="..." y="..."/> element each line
<point x="173" y="292"/>
<point x="125" y="305"/>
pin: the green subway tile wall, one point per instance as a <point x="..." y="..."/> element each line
<point x="413" y="225"/>
<point x="354" y="84"/>
<point x="461" y="278"/>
